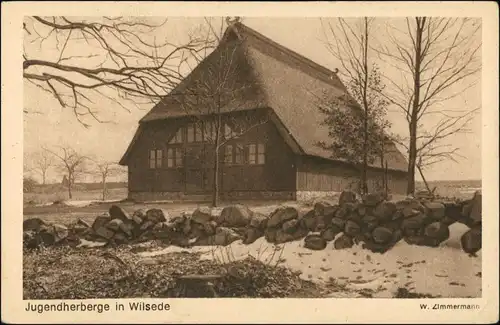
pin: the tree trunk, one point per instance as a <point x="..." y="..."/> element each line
<point x="366" y="109"/>
<point x="70" y="184"/>
<point x="43" y="178"/>
<point x="215" y="189"/>
<point x="412" y="153"/>
<point x="104" y="188"/>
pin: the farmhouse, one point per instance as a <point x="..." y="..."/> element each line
<point x="246" y="114"/>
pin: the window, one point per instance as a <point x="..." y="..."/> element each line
<point x="155" y="158"/>
<point x="229" y="132"/>
<point x="178" y="157"/>
<point x="190" y="133"/>
<point x="159" y="157"/>
<point x="228" y="157"/>
<point x="170" y="158"/>
<point x="175" y="157"/>
<point x="239" y="156"/>
<point x="177" y="137"/>
<point x="261" y="154"/>
<point x="252" y="154"/>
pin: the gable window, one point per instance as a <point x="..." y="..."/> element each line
<point x="228" y="154"/>
<point x="256" y="154"/>
<point x="177" y="137"/>
<point x="175" y="157"/>
<point x="155" y="158"/>
<point x="195" y="132"/>
<point x="230" y="131"/>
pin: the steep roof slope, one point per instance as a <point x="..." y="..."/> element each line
<point x="288" y="83"/>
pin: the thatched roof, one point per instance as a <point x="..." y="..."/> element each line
<point x="286" y="82"/>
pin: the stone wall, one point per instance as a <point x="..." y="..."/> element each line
<point x="372" y="222"/>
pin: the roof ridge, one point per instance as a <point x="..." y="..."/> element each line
<point x="301" y="58"/>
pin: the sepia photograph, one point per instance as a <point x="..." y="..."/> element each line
<point x="227" y="157"/>
<point x="333" y="155"/>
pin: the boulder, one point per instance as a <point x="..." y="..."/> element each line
<point x="259" y="221"/>
<point x="329" y="233"/>
<point x="283" y="237"/>
<point x="156" y="215"/>
<point x="114" y="224"/>
<point x="282" y="215"/>
<point x="237" y="215"/>
<point x="100" y="222"/>
<point x="251" y="235"/>
<point x="196" y="230"/>
<point x="225" y="236"/>
<point x="60" y="232"/>
<point x="352" y="228"/>
<point x="452" y="210"/>
<point x="434" y="210"/>
<point x="202" y="215"/>
<point x="147" y="225"/>
<point x="343" y="242"/>
<point x="338" y="222"/>
<point x="315" y="242"/>
<point x="437" y="230"/>
<point x="382" y="235"/>
<point x="409" y="212"/>
<point x="209" y="228"/>
<point x="323" y="208"/>
<point x="104" y="232"/>
<point x="290" y="226"/>
<point x="119" y="238"/>
<point x="138" y="216"/>
<point x="412" y="226"/>
<point x="422" y="241"/>
<point x="309" y="220"/>
<point x="369" y="222"/>
<point x="466" y="208"/>
<point x="471" y="241"/>
<point x="476" y="209"/>
<point x="270" y="234"/>
<point x="34" y="224"/>
<point x="361" y="210"/>
<point x="300" y="233"/>
<point x="376" y="247"/>
<point x="116" y="212"/>
<point x="347" y="197"/>
<point x="448" y="220"/>
<point x="385" y="211"/>
<point x="373" y="199"/>
<point x="186" y="226"/>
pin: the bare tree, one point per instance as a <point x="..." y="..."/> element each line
<point x="104" y="170"/>
<point x="83" y="61"/>
<point x="213" y="92"/>
<point x="360" y="114"/>
<point x="41" y="161"/>
<point x="438" y="60"/>
<point x="70" y="162"/>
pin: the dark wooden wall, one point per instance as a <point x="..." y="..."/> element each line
<point x="277" y="174"/>
<point x="316" y="174"/>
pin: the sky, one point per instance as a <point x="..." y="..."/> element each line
<point x="49" y="124"/>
